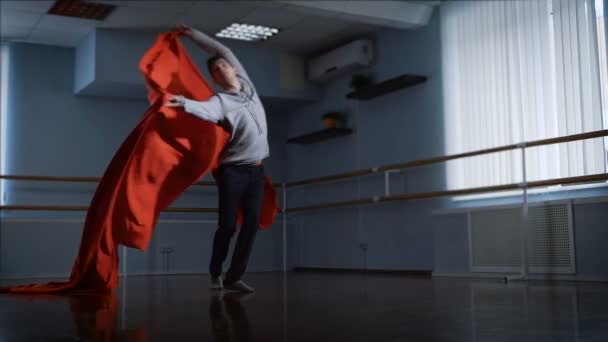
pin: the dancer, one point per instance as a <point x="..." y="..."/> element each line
<point x="240" y="176"/>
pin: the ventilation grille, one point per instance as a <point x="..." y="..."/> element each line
<point x="550" y="239"/>
<point x="496" y="242"/>
<point x="81" y="9"/>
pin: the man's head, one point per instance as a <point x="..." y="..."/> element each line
<point x="223" y="73"/>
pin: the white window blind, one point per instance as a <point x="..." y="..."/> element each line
<point x="518" y="71"/>
<point x="3" y="115"/>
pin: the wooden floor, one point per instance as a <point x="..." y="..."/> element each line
<point x="315" y="307"/>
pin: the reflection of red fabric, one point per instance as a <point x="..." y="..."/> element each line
<point x="95" y="315"/>
<point x="167" y="152"/>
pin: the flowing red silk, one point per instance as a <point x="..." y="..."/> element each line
<point x="167" y="152"/>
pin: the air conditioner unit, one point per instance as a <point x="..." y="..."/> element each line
<point x="351" y="56"/>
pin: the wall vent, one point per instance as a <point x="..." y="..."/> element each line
<point x="81" y="9"/>
<point x="495" y="241"/>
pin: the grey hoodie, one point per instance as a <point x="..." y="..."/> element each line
<point x="242" y="112"/>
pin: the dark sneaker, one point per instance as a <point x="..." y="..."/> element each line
<point x="239" y="286"/>
<point x="216" y="283"/>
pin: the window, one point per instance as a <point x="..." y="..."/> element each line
<point x="603" y="55"/>
<point x="516" y="71"/>
<point x="3" y="114"/>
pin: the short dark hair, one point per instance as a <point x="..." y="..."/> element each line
<point x="214" y="59"/>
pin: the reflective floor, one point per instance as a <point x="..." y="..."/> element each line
<point x="315" y="307"/>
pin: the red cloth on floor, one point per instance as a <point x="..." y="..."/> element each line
<point x="167" y="152"/>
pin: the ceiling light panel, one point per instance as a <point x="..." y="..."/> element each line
<point x="247" y="32"/>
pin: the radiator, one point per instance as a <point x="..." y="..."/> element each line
<point x="495" y="239"/>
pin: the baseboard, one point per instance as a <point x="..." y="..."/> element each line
<point x="549" y="277"/>
<point x="66" y="277"/>
<point x="50" y="277"/>
<point x="424" y="273"/>
<point x="186" y="273"/>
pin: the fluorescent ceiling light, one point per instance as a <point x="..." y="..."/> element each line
<point x="247" y="32"/>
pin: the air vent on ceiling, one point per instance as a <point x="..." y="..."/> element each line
<point x="81" y="9"/>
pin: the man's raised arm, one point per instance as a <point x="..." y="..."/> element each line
<point x="214" y="47"/>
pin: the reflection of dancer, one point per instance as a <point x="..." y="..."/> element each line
<point x="229" y="321"/>
<point x="96" y="319"/>
<point x="240" y="177"/>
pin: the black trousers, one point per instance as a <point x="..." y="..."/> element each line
<point x="238" y="186"/>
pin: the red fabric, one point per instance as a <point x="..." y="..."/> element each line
<point x="168" y="151"/>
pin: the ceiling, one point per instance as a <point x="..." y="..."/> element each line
<point x="304" y="30"/>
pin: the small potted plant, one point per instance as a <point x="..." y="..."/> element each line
<point x="333" y="119"/>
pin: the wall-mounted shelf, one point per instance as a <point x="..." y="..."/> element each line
<point x="385" y="87"/>
<point x="325" y="134"/>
